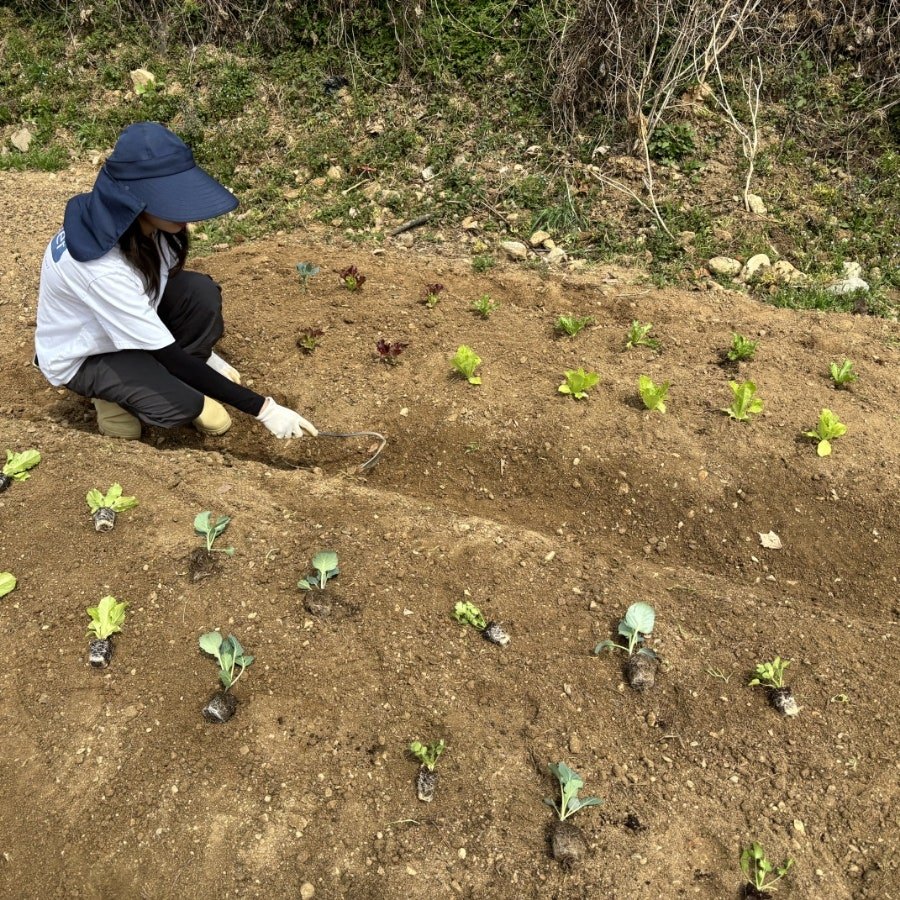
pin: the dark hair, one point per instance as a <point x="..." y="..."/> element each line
<point x="143" y="253"/>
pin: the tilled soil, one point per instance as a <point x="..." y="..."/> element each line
<point x="551" y="515"/>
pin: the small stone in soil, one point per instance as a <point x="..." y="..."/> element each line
<point x="426" y="782"/>
<point x="220" y="708"/>
<point x="567" y="843"/>
<point x="641" y="671"/>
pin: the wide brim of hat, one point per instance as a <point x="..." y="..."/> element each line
<point x="189" y="196"/>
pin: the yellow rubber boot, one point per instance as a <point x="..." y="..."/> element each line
<point x="113" y="421"/>
<point x="213" y="419"/>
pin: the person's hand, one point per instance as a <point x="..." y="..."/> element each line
<point x="284" y="422"/>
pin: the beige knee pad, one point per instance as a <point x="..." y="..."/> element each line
<point x="213" y="419"/>
<point x="113" y="421"/>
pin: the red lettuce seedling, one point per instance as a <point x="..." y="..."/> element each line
<point x="352" y="278"/>
<point x="566" y="839"/>
<point x="388" y="352"/>
<point x="16" y="467"/>
<point x="427" y="778"/>
<point x="229" y="654"/>
<point x="308" y="340"/>
<point x="104" y="507"/>
<point x="107" y="618"/>
<point x="432" y="295"/>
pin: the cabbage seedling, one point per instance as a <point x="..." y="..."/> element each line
<point x="771" y="676"/>
<point x="107" y="618"/>
<point x="571" y="325"/>
<point x="566" y="839"/>
<point x="639" y="336"/>
<point x="8" y="583"/>
<point x="229" y="654"/>
<point x="828" y="428"/>
<point x="427" y="778"/>
<point x="484" y="306"/>
<point x="306" y="270"/>
<point x="352" y="278"/>
<point x="741" y="348"/>
<point x="467" y="613"/>
<point x="317" y="600"/>
<point x="635" y="627"/>
<point x="104" y="507"/>
<point x="578" y="383"/>
<point x="211" y="528"/>
<point x="745" y="402"/>
<point x="432" y="294"/>
<point x="843" y="374"/>
<point x="466" y="361"/>
<point x="654" y="396"/>
<point x="758" y="871"/>
<point x="16" y="467"/>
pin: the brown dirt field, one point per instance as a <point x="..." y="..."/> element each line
<point x="553" y="515"/>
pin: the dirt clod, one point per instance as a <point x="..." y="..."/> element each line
<point x="567" y="843"/>
<point x="641" y="671"/>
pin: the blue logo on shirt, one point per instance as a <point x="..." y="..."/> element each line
<point x="58" y="245"/>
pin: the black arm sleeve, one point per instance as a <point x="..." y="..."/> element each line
<point x="202" y="378"/>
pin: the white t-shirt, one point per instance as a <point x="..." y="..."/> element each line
<point x="100" y="306"/>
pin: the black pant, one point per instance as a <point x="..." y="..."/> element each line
<point x="191" y="308"/>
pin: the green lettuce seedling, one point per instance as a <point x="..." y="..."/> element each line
<point x="467" y="613"/>
<point x="427" y="754"/>
<point x="204" y="524"/>
<point x="466" y="361"/>
<point x="654" y="397"/>
<point x="7" y="583"/>
<point x="112" y="499"/>
<point x="741" y="348"/>
<point x="757" y="869"/>
<point x="306" y="270"/>
<point x="571" y="325"/>
<point x="828" y="428"/>
<point x="639" y="336"/>
<point x="326" y="565"/>
<point x="16" y="467"/>
<point x="843" y="374"/>
<point x="107" y="618"/>
<point x="770" y="674"/>
<point x="484" y="306"/>
<point x="578" y="383"/>
<point x="570" y="783"/>
<point x="745" y="403"/>
<point x="228" y="653"/>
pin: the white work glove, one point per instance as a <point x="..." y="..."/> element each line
<point x="217" y="364"/>
<point x="284" y="422"/>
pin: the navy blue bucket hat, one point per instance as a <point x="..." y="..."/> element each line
<point x="150" y="170"/>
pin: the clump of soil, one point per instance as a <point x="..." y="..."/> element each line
<point x="220" y="707"/>
<point x="426" y="784"/>
<point x="641" y="671"/>
<point x="202" y="564"/>
<point x="567" y="843"/>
